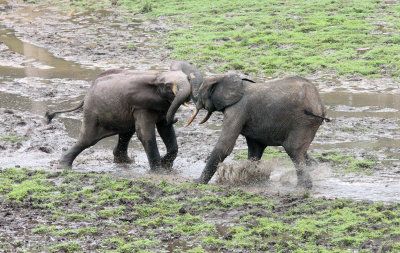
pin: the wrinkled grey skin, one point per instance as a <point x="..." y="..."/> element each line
<point x="124" y="102"/>
<point x="194" y="75"/>
<point x="285" y="112"/>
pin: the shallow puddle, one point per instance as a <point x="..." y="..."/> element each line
<point x="38" y="62"/>
<point x="362" y="104"/>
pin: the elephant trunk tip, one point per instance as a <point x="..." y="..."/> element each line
<point x="171" y="122"/>
<point x="49" y="116"/>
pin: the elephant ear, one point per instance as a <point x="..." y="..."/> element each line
<point x="228" y="91"/>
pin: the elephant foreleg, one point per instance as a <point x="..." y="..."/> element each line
<point x="121" y="150"/>
<point x="168" y="136"/>
<point x="145" y="129"/>
<point x="230" y="132"/>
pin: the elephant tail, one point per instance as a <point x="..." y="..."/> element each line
<point x="50" y="115"/>
<point x="306" y="112"/>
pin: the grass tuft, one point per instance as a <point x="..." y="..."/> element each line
<point x="94" y="212"/>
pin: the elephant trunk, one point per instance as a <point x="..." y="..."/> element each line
<point x="181" y="96"/>
<point x="196" y="80"/>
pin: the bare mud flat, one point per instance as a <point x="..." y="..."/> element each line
<point x="47" y="59"/>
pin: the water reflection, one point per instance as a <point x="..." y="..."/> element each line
<point x="40" y="63"/>
<point x="362" y="99"/>
<point x="16" y="102"/>
<point x="362" y="104"/>
<point x="21" y="59"/>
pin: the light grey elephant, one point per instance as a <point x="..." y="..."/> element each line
<point x="285" y="112"/>
<point x="124" y="102"/>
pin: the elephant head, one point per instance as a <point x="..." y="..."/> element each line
<point x="218" y="92"/>
<point x="177" y="83"/>
<point x="194" y="75"/>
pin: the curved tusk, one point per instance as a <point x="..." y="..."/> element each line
<point x="185" y="104"/>
<point x="206" y="118"/>
<point x="174" y="88"/>
<point x="192" y="118"/>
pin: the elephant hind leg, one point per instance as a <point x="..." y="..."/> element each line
<point x="296" y="146"/>
<point x="255" y="149"/>
<point x="299" y="159"/>
<point x="168" y="136"/>
<point x="90" y="135"/>
<point x="121" y="149"/>
<point x="310" y="161"/>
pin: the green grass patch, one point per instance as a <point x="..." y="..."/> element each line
<point x="342" y="163"/>
<point x="194" y="218"/>
<point x="269" y="153"/>
<point x="275" y="37"/>
<point x="14" y="138"/>
<point x="66" y="247"/>
<point x="346" y="163"/>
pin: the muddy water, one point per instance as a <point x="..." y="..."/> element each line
<point x="361" y="108"/>
<point x="33" y="80"/>
<point x="38" y="62"/>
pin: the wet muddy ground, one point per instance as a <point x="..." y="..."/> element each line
<point x="47" y="59"/>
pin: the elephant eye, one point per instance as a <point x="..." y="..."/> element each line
<point x="167" y="88"/>
<point x="213" y="87"/>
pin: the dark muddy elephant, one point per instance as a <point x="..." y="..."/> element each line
<point x="285" y="112"/>
<point x="124" y="102"/>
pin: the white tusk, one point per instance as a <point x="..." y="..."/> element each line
<point x="206" y="118"/>
<point x="192" y="118"/>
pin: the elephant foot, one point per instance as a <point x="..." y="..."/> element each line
<point x="166" y="164"/>
<point x="158" y="170"/>
<point x="122" y="159"/>
<point x="64" y="166"/>
<point x="200" y="181"/>
<point x="307" y="185"/>
<point x="304" y="179"/>
<point x="311" y="162"/>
